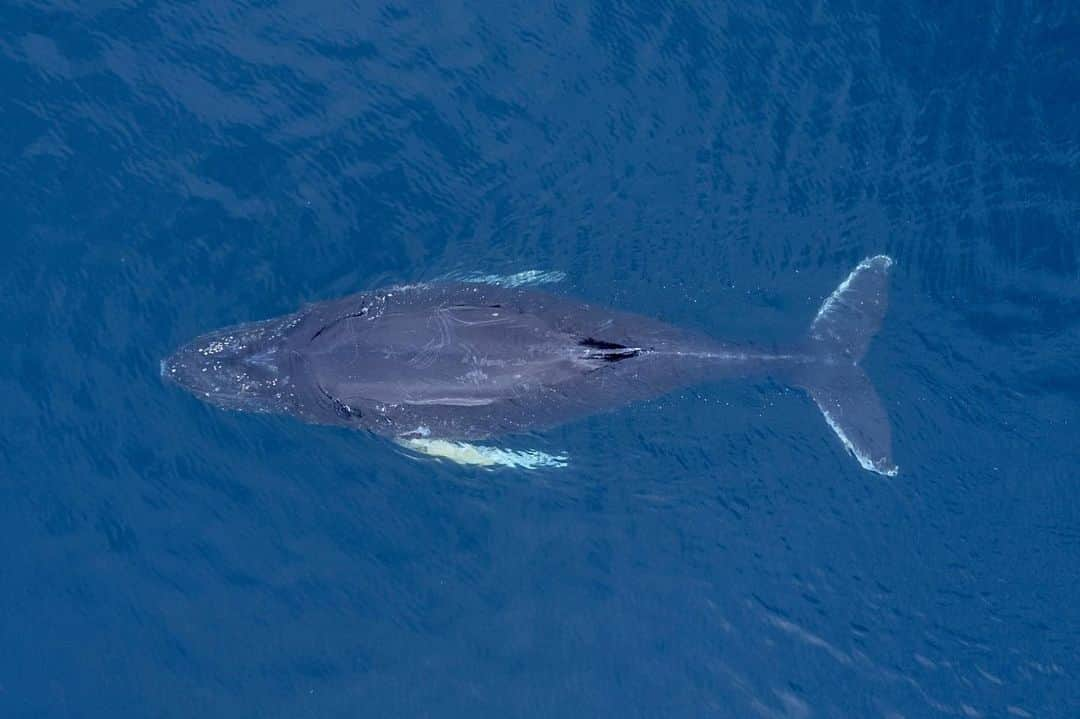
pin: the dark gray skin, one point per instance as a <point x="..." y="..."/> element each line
<point x="462" y="361"/>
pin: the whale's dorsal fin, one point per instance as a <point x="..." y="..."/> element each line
<point x="608" y="351"/>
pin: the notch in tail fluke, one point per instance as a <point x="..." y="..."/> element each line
<point x="839" y="336"/>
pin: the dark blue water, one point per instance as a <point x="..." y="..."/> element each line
<point x="170" y="167"/>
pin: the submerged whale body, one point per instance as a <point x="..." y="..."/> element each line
<point x="464" y="361"/>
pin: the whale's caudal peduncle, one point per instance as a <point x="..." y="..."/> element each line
<point x="469" y="361"/>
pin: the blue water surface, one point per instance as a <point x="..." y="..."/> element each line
<point x="170" y="167"/>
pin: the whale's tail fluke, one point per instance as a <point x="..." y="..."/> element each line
<point x="839" y="336"/>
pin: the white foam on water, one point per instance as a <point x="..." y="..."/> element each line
<point x="477" y="455"/>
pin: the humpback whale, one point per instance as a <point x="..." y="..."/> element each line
<point x="437" y="365"/>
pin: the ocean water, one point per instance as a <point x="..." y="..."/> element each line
<point x="170" y="167"/>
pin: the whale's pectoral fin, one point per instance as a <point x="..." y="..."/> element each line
<point x="839" y="336"/>
<point x="528" y="278"/>
<point x="477" y="455"/>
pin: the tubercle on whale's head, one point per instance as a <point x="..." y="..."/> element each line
<point x="244" y="367"/>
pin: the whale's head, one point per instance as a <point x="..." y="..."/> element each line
<point x="244" y="367"/>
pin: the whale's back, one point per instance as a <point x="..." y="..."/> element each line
<point x="445" y="354"/>
<point x="471" y="360"/>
